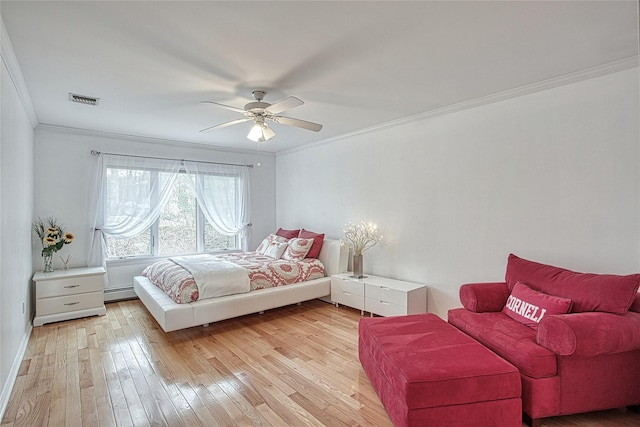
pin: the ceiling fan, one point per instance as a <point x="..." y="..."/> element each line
<point x="259" y="112"/>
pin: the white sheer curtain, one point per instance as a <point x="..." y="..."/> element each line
<point x="128" y="196"/>
<point x="222" y="192"/>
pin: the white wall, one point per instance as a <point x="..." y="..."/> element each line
<point x="551" y="176"/>
<point x="63" y="168"/>
<point x="16" y="195"/>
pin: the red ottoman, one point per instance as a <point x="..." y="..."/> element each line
<point x="428" y="373"/>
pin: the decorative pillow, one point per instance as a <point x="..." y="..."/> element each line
<point x="287" y="234"/>
<point x="271" y="238"/>
<point x="318" y="240"/>
<point x="589" y="292"/>
<point x="297" y="249"/>
<point x="275" y="249"/>
<point x="528" y="306"/>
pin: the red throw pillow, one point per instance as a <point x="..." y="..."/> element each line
<point x="287" y="234"/>
<point x="318" y="240"/>
<point x="528" y="306"/>
<point x="589" y="292"/>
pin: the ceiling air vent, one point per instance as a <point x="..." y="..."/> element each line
<point x="81" y="99"/>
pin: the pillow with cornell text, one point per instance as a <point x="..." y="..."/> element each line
<point x="297" y="249"/>
<point x="271" y="238"/>
<point x="275" y="250"/>
<point x="287" y="234"/>
<point x="528" y="306"/>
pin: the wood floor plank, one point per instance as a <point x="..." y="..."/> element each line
<point x="293" y="366"/>
<point x="104" y="410"/>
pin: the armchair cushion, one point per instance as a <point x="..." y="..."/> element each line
<point x="589" y="292"/>
<point x="484" y="297"/>
<point x="511" y="340"/>
<point x="589" y="334"/>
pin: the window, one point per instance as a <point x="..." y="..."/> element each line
<point x="181" y="227"/>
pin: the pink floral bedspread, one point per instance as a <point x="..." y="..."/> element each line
<point x="264" y="272"/>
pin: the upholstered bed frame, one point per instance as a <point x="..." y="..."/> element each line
<point x="173" y="316"/>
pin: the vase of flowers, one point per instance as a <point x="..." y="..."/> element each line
<point x="52" y="237"/>
<point x="362" y="236"/>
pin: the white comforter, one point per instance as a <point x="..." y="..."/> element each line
<point x="215" y="278"/>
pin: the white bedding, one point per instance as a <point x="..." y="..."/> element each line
<point x="214" y="277"/>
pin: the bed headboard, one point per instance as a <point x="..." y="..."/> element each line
<point x="334" y="255"/>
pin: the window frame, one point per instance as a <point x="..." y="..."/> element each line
<point x="154" y="246"/>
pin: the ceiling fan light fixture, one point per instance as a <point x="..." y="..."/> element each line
<point x="260" y="111"/>
<point x="260" y="132"/>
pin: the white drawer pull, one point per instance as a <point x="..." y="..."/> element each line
<point x="346" y="293"/>
<point x="72" y="303"/>
<point x="384" y="288"/>
<point x="384" y="303"/>
<point x="71" y="286"/>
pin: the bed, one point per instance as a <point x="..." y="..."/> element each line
<point x="172" y="316"/>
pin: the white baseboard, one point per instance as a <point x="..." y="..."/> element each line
<point x="13" y="373"/>
<point x="119" y="294"/>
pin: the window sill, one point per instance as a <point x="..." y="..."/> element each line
<point x="147" y="260"/>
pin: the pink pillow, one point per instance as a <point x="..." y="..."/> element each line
<point x="298" y="249"/>
<point x="589" y="292"/>
<point x="318" y="240"/>
<point x="528" y="306"/>
<point x="287" y="234"/>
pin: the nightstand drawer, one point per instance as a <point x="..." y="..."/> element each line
<point x="354" y="287"/>
<point x="69" y="286"/>
<point x="386" y="294"/>
<point x="69" y="303"/>
<point x="348" y="299"/>
<point x="384" y="308"/>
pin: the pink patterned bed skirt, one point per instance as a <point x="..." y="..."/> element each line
<point x="264" y="272"/>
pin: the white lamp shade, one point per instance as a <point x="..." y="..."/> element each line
<point x="260" y="132"/>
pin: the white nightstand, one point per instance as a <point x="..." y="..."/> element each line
<point x="379" y="295"/>
<point x="69" y="294"/>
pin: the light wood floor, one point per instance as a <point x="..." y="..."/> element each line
<point x="295" y="366"/>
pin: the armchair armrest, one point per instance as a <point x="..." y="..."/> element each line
<point x="589" y="334"/>
<point x="484" y="297"/>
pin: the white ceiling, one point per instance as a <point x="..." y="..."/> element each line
<point x="355" y="64"/>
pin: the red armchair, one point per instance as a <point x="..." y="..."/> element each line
<point x="577" y="362"/>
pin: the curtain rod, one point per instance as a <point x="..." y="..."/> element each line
<point x="96" y="152"/>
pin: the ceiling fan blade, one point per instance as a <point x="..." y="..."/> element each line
<point x="297" y="123"/>
<point x="228" y="107"/>
<point x="284" y="105"/>
<point x="224" y="125"/>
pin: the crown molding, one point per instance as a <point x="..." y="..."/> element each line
<point x="148" y="140"/>
<point x="15" y="74"/>
<point x="565" y="79"/>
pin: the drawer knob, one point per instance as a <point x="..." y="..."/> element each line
<point x="72" y="303"/>
<point x="71" y="286"/>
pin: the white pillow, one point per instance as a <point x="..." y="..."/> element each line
<point x="271" y="238"/>
<point x="275" y="250"/>
<point x="297" y="249"/>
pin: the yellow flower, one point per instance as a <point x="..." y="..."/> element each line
<point x="52" y="231"/>
<point x="68" y="238"/>
<point x="49" y="241"/>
